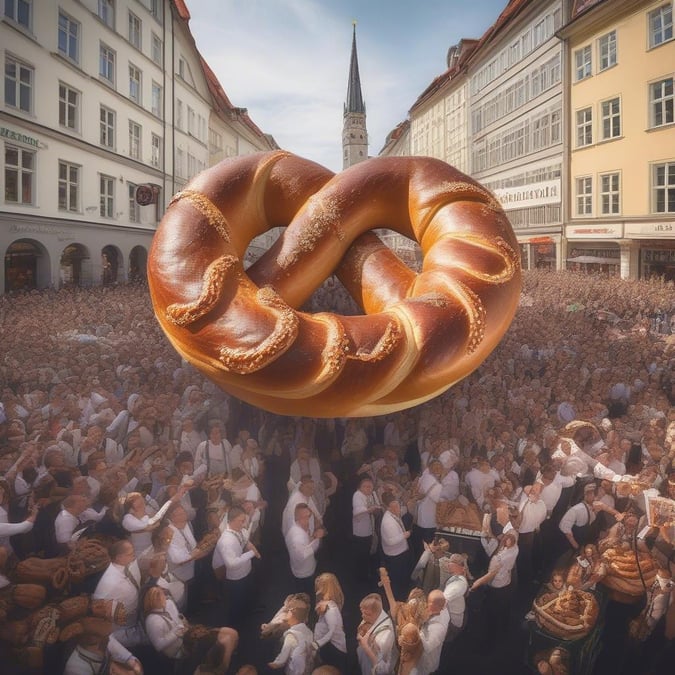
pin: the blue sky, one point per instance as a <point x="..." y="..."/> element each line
<point x="287" y="61"/>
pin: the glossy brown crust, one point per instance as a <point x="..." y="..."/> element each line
<point x="420" y="333"/>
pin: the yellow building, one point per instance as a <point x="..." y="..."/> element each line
<point x="621" y="137"/>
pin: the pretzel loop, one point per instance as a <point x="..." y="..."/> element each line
<point x="419" y="333"/>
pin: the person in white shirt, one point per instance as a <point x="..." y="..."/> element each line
<point x="480" y="479"/>
<point x="429" y="491"/>
<point x="498" y="580"/>
<point x="139" y="523"/>
<point x="68" y="520"/>
<point x="365" y="511"/>
<point x="8" y="529"/>
<point x="433" y="632"/>
<point x="190" y="438"/>
<point x="235" y="552"/>
<point x="93" y="651"/>
<point x="302" y="543"/>
<point x="121" y="582"/>
<point x="183" y="552"/>
<point x="297" y="650"/>
<point x="166" y="629"/>
<point x="532" y="513"/>
<point x="395" y="548"/>
<point x="214" y="455"/>
<point x="376" y="637"/>
<point x="454" y="591"/>
<point x="329" y="633"/>
<point x="303" y="495"/>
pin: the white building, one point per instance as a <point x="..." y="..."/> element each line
<point x="100" y="97"/>
<point x="516" y="123"/>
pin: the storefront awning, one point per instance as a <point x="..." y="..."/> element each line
<point x="588" y="259"/>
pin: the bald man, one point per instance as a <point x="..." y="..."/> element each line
<point x="433" y="632"/>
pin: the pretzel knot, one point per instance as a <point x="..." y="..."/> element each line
<point x="419" y="333"/>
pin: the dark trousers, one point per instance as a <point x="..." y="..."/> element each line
<point x="237" y="601"/>
<point x="364" y="563"/>
<point x="497" y="609"/>
<point x="525" y="560"/>
<point x="332" y="656"/>
<point x="399" y="568"/>
<point x="305" y="585"/>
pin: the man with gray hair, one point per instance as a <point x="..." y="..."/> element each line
<point x="454" y="592"/>
<point x="433" y="632"/>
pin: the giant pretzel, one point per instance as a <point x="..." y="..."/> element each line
<point x="420" y="333"/>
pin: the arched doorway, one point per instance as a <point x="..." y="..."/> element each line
<point x="75" y="266"/>
<point x="111" y="264"/>
<point x="26" y="266"/>
<point x="138" y="260"/>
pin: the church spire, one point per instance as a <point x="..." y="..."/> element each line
<point x="354" y="102"/>
<point x="354" y="134"/>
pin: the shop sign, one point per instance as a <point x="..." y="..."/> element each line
<point x="650" y="230"/>
<point x="19" y="138"/>
<point x="535" y="194"/>
<point x="610" y="231"/>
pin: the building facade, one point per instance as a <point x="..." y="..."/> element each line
<point x="516" y="124"/>
<point x="621" y="141"/>
<point x="100" y="97"/>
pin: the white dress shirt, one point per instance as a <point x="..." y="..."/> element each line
<point x="288" y="515"/>
<point x="381" y="639"/>
<point x="121" y="584"/>
<point x="450" y="483"/>
<point x="64" y="526"/>
<point x="532" y="514"/>
<point x="431" y="489"/>
<point x="394" y="541"/>
<point x="330" y="628"/>
<point x="180" y="551"/>
<point x="165" y="630"/>
<point x="215" y="457"/>
<point x="295" y="649"/>
<point x="301" y="549"/>
<point x="576" y="516"/>
<point x="455" y="597"/>
<point x="8" y="529"/>
<point x="503" y="562"/>
<point x="433" y="633"/>
<point x="230" y="552"/>
<point x="362" y="520"/>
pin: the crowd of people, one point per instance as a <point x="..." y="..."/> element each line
<point x="214" y="537"/>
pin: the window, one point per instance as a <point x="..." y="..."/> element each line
<point x="107" y="194"/>
<point x="106" y="63"/>
<point x="556" y="127"/>
<point x="19" y="11"/>
<point x="179" y="114"/>
<point x="191" y="121"/>
<point x="663" y="181"/>
<point x="69" y="187"/>
<point x="179" y="168"/>
<point x="661" y="25"/>
<point x="156" y="9"/>
<point x="134" y="30"/>
<point x="69" y="32"/>
<point x="156" y="144"/>
<point x="106" y="12"/>
<point x="609" y="194"/>
<point x="191" y="165"/>
<point x="582" y="62"/>
<point x="156" y="50"/>
<point x="134" y="140"/>
<point x="607" y="49"/>
<point x="215" y="142"/>
<point x="134" y="207"/>
<point x="156" y="99"/>
<point x="584" y="127"/>
<point x="611" y="118"/>
<point x="19" y="168"/>
<point x="107" y="127"/>
<point x="134" y="84"/>
<point x="585" y="196"/>
<point x="661" y="95"/>
<point x="69" y="107"/>
<point x="18" y="84"/>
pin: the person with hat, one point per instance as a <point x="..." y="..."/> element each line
<point x="455" y="591"/>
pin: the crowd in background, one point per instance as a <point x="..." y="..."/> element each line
<point x="105" y="433"/>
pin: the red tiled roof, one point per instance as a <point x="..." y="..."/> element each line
<point x="181" y="8"/>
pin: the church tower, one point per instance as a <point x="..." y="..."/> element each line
<point x="354" y="134"/>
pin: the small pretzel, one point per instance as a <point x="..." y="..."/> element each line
<point x="420" y="333"/>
